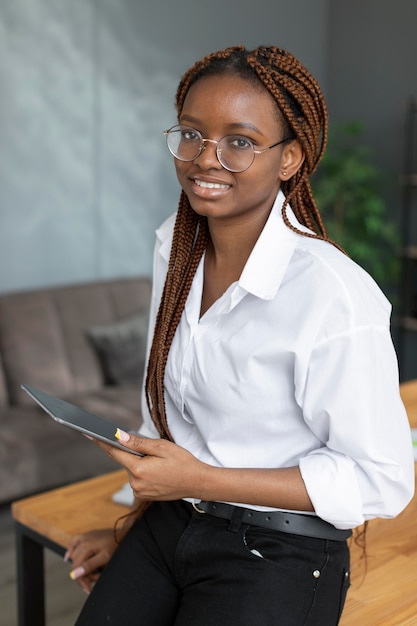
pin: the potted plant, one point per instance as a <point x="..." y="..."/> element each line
<point x="347" y="189"/>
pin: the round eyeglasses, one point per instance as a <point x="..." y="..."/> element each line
<point x="235" y="153"/>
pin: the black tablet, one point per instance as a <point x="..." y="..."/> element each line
<point x="78" y="419"/>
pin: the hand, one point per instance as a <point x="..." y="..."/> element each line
<point x="169" y="472"/>
<point x="166" y="472"/>
<point x="89" y="553"/>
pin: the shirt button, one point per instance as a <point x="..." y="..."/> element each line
<point x="316" y="573"/>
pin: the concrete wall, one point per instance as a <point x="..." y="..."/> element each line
<point x="372" y="73"/>
<point x="87" y="86"/>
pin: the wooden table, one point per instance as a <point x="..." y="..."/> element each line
<point x="49" y="520"/>
<point x="385" y="596"/>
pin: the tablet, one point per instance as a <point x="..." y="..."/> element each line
<point x="78" y="419"/>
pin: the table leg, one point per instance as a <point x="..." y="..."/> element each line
<point x="30" y="575"/>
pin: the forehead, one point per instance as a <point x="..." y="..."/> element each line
<point x="231" y="99"/>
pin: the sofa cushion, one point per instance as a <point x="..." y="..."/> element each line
<point x="84" y="306"/>
<point x="43" y="338"/>
<point x="33" y="345"/>
<point x="121" y="348"/>
<point x="4" y="397"/>
<point x="37" y="453"/>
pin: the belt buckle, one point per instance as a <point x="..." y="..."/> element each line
<point x="195" y="507"/>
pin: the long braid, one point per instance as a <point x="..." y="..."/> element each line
<point x="302" y="109"/>
<point x="302" y="105"/>
<point x="188" y="245"/>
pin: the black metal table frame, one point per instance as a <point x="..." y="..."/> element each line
<point x="31" y="574"/>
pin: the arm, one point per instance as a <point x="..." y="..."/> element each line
<point x="352" y="403"/>
<point x="363" y="469"/>
<point x="169" y="472"/>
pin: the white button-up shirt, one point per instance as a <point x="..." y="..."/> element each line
<point x="292" y="366"/>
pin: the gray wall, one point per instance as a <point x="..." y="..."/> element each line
<point x="372" y="72"/>
<point x="87" y="88"/>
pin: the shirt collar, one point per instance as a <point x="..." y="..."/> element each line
<point x="267" y="263"/>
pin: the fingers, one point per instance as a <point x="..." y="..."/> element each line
<point x="90" y="553"/>
<point x="82" y="575"/>
<point x="87" y="582"/>
<point x="74" y="545"/>
<point x="142" y="445"/>
<point x="90" y="566"/>
<point x="84" y="578"/>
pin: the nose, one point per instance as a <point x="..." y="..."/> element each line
<point x="207" y="159"/>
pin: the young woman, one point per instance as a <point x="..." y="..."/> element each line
<point x="273" y="412"/>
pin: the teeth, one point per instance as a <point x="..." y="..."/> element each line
<point x="202" y="183"/>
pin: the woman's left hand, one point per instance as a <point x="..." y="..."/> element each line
<point x="166" y="472"/>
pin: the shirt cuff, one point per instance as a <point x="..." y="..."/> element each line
<point x="332" y="486"/>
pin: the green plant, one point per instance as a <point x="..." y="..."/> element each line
<point x="347" y="190"/>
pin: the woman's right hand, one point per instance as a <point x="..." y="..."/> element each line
<point x="89" y="553"/>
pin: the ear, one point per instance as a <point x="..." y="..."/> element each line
<point x="292" y="159"/>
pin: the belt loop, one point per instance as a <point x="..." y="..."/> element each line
<point x="236" y="518"/>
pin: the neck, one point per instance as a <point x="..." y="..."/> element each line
<point x="227" y="251"/>
<point x="231" y="243"/>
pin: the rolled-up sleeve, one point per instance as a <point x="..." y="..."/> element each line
<point x="351" y="401"/>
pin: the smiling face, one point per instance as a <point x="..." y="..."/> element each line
<point x="223" y="105"/>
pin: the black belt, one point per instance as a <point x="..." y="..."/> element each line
<point x="294" y="523"/>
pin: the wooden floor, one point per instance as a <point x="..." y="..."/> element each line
<point x="64" y="599"/>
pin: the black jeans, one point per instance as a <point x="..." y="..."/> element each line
<point x="177" y="567"/>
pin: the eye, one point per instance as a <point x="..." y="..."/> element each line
<point x="189" y="134"/>
<point x="237" y="142"/>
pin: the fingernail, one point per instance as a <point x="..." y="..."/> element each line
<point x="121" y="435"/>
<point x="66" y="556"/>
<point x="77" y="573"/>
<point x="88" y="437"/>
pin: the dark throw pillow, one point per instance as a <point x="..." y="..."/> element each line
<point x="120" y="347"/>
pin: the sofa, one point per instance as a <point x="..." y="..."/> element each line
<point x="84" y="343"/>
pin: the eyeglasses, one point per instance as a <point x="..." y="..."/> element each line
<point x="235" y="153"/>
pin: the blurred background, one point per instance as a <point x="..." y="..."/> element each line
<point x="87" y="87"/>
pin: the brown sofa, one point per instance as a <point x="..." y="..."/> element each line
<point x="84" y="343"/>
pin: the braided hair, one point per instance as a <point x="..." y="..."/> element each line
<point x="303" y="111"/>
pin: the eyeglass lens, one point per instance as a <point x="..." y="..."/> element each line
<point x="234" y="152"/>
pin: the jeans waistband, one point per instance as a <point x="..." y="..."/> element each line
<point x="293" y="523"/>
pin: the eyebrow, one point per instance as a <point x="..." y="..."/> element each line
<point x="232" y="125"/>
